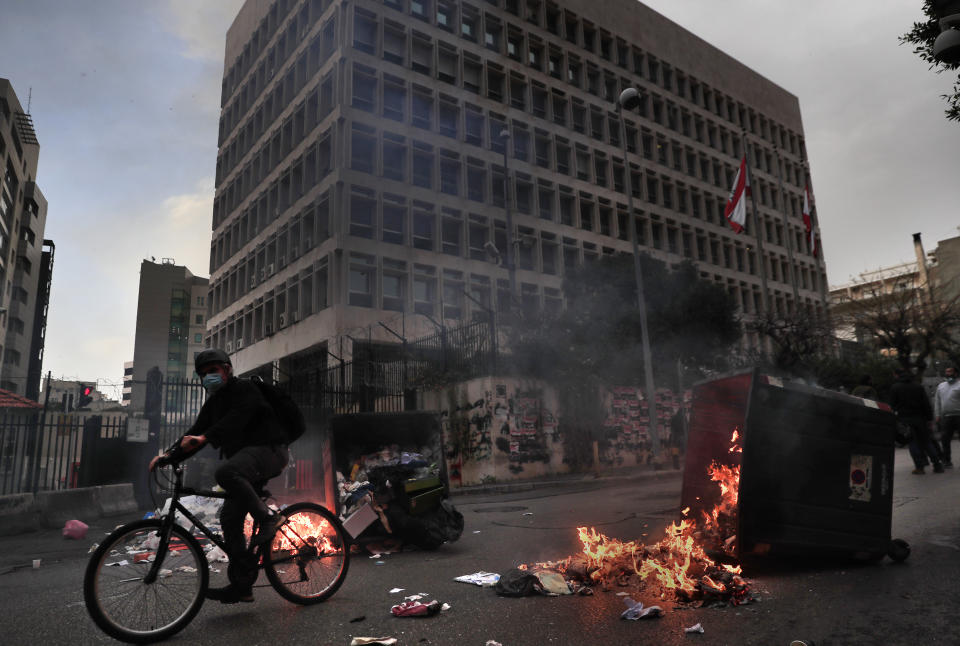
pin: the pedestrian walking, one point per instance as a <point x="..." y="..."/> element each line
<point x="910" y="402"/>
<point x="946" y="411"/>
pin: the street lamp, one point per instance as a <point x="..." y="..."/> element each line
<point x="629" y="100"/>
<point x="511" y="267"/>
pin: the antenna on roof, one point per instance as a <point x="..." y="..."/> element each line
<point x="29" y="99"/>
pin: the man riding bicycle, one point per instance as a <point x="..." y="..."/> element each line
<point x="237" y="420"/>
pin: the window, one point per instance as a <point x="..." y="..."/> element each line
<point x="422" y="54"/>
<point x="492" y="34"/>
<point x="424" y="289"/>
<point x="422" y="108"/>
<point x="198" y="337"/>
<point x="362" y="210"/>
<point x="198" y="319"/>
<point x="453" y="294"/>
<point x="362" y="271"/>
<point x="423" y="229"/>
<point x="448" y="116"/>
<point x="394" y="157"/>
<point x="468" y="25"/>
<point x="423" y="165"/>
<point x="394" y="98"/>
<point x="476" y="181"/>
<point x="450" y="231"/>
<point x="474" y="126"/>
<point x="446" y="15"/>
<point x="472" y="73"/>
<point x="545" y="202"/>
<point x="364" y="88"/>
<point x="479" y="234"/>
<point x="394" y="43"/>
<point x="394" y="220"/>
<point x="420" y="9"/>
<point x="394" y="284"/>
<point x="447" y="63"/>
<point x="362" y="148"/>
<point x="365" y="31"/>
<point x="449" y="173"/>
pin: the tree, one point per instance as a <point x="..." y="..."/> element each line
<point x="798" y="340"/>
<point x="921" y="37"/>
<point x="911" y="324"/>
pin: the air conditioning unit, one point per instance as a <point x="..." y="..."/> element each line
<point x="283" y="261"/>
<point x="270" y="269"/>
<point x="283" y="320"/>
<point x="294" y="316"/>
<point x="253" y="282"/>
<point x="239" y="344"/>
<point x="263" y="275"/>
<point x="229" y="346"/>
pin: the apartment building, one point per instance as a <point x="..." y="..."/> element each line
<point x="362" y="163"/>
<point x="26" y="258"/>
<point x="171" y="320"/>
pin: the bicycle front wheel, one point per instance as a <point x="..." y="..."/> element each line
<point x="309" y="555"/>
<point x="127" y="608"/>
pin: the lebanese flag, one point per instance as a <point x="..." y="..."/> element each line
<point x="736" y="209"/>
<point x="813" y="240"/>
<point x="807" y="219"/>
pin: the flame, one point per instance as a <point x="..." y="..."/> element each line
<point x="678" y="562"/>
<point x="299" y="530"/>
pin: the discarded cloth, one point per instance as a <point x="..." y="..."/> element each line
<point x="483" y="579"/>
<point x="416" y="609"/>
<point x="75" y="529"/>
<point x="635" y="610"/>
<point x="553" y="582"/>
<point x="363" y="641"/>
<point x="517" y="583"/>
<point x="696" y="628"/>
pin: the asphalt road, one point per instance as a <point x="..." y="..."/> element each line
<point x="832" y="604"/>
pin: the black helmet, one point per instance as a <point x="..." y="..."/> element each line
<point x="212" y="355"/>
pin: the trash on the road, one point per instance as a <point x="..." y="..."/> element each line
<point x="635" y="610"/>
<point x="396" y="590"/>
<point x="375" y="556"/>
<point x="528" y="513"/>
<point x="517" y="583"/>
<point x="118" y="563"/>
<point x="358" y="619"/>
<point x="379" y="563"/>
<point x="93" y="548"/>
<point x="553" y="583"/>
<point x="364" y="641"/>
<point x="75" y="529"/>
<point x="696" y="628"/>
<point x="417" y="609"/>
<point x="36" y="564"/>
<point x="483" y="579"/>
<point x="216" y="555"/>
<point x="490" y="642"/>
<point x="149" y="515"/>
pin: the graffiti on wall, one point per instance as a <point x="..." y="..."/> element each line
<point x="627" y="425"/>
<point x="514" y="421"/>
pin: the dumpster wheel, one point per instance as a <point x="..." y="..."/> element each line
<point x="898" y="550"/>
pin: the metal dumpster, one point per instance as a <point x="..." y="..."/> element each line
<point x="816" y="467"/>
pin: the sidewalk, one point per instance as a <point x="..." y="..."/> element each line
<point x="570" y="479"/>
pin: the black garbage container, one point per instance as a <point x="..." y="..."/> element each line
<point x="816" y="467"/>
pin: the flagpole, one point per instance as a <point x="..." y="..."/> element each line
<point x="788" y="234"/>
<point x="764" y="297"/>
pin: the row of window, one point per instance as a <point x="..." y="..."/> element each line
<point x="554" y="57"/>
<point x="295" y="237"/>
<point x="291" y="300"/>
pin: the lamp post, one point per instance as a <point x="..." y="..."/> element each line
<point x="630" y="99"/>
<point x="511" y="267"/>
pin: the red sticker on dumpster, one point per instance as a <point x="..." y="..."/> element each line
<point x="861" y="469"/>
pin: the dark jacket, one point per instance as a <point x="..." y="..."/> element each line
<point x="909" y="399"/>
<point x="237" y="416"/>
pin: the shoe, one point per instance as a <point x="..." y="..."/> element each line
<point x="230" y="594"/>
<point x="267" y="529"/>
<point x="948" y="464"/>
<point x="938" y="468"/>
<point x="918" y="471"/>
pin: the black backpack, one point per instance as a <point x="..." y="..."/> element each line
<point x="286" y="410"/>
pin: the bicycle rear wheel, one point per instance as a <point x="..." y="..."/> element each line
<point x="307" y="559"/>
<point x="125" y="607"/>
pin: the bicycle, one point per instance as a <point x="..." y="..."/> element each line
<point x="147" y="580"/>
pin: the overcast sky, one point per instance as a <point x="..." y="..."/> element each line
<point x="126" y="102"/>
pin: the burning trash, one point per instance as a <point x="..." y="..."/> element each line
<point x="680" y="565"/>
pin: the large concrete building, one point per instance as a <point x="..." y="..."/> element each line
<point x="171" y="319"/>
<point x="360" y="176"/>
<point x="26" y="258"/>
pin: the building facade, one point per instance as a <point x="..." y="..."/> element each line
<point x="364" y="146"/>
<point x="171" y="319"/>
<point x="26" y="258"/>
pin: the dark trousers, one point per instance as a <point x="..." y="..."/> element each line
<point x="240" y="476"/>
<point x="922" y="445"/>
<point x="948" y="426"/>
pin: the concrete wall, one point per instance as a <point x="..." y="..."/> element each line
<point x="50" y="509"/>
<point x="503" y="429"/>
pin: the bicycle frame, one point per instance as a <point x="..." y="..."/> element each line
<point x="170" y="519"/>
